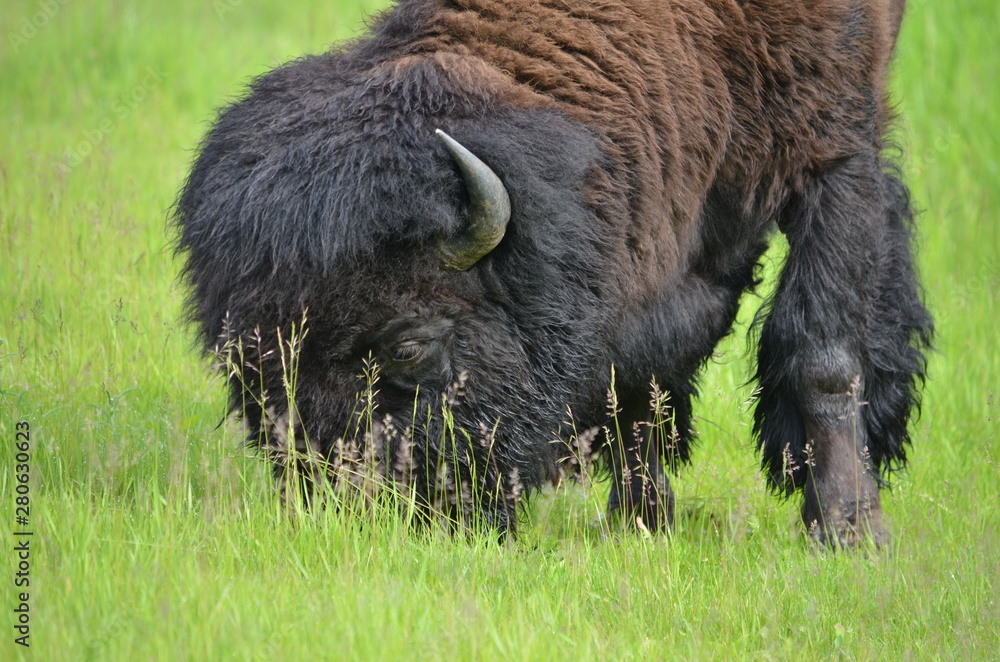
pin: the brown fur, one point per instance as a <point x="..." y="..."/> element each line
<point x="685" y="94"/>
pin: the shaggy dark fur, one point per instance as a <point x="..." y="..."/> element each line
<point x="648" y="147"/>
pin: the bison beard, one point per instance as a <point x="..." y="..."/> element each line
<point x="646" y="150"/>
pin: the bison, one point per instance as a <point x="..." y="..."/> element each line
<point x="513" y="202"/>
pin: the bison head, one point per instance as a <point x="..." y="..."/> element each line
<point x="477" y="267"/>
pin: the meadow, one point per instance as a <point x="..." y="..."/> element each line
<point x="156" y="536"/>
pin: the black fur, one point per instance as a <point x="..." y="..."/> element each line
<point x="859" y="304"/>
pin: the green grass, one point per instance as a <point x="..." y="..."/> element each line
<point x="157" y="537"/>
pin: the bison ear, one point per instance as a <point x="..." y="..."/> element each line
<point x="490" y="210"/>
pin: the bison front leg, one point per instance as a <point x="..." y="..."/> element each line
<point x="840" y="351"/>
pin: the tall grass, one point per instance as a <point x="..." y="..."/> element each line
<point x="158" y="537"/>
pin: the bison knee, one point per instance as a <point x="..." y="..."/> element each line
<point x="828" y="383"/>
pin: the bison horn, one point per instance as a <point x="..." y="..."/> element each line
<point x="490" y="210"/>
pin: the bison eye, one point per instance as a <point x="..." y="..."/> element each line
<point x="414" y="351"/>
<point x="407" y="351"/>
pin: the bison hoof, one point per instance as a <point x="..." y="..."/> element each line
<point x="654" y="515"/>
<point x="847" y="526"/>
